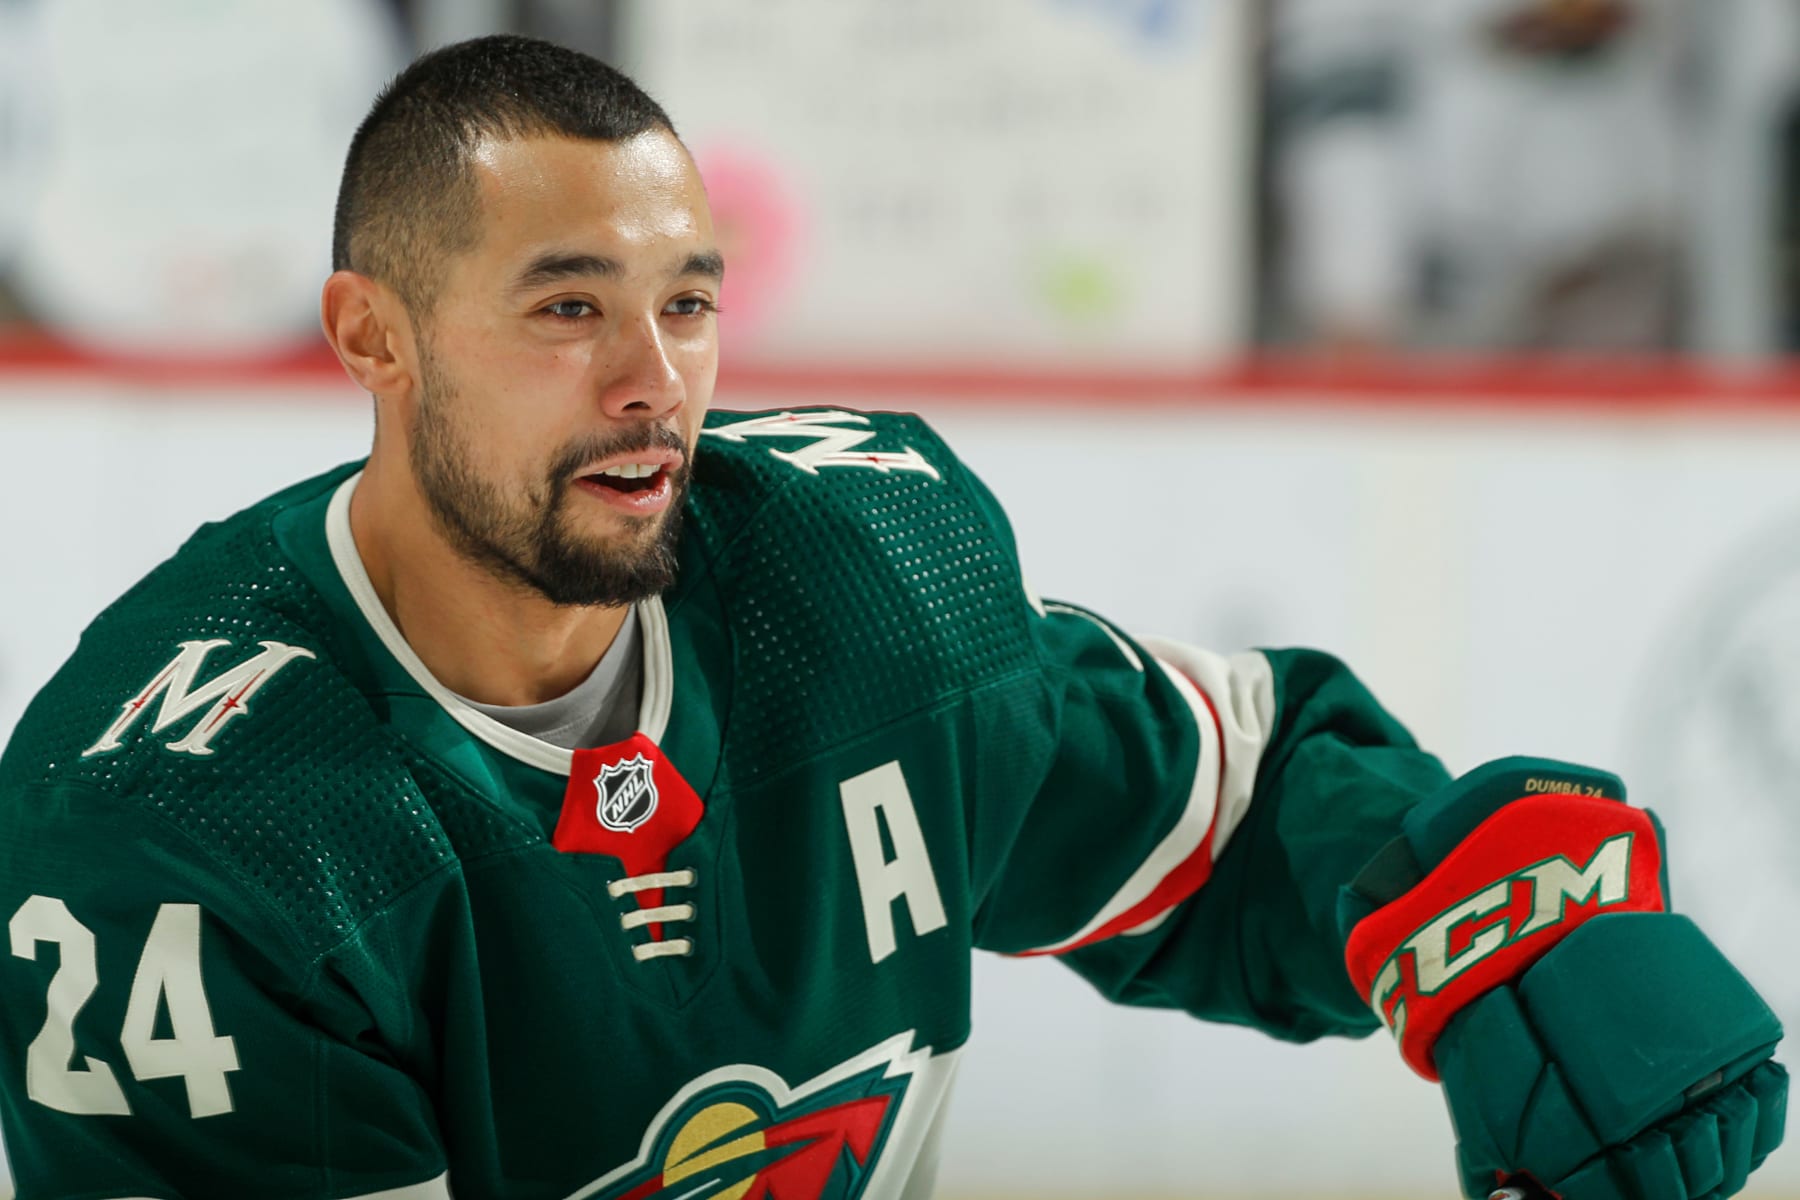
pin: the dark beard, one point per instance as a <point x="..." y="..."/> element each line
<point x="531" y="545"/>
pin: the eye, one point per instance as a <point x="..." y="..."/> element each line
<point x="691" y="306"/>
<point x="570" y="310"/>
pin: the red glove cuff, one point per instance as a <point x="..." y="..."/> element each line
<point x="1497" y="903"/>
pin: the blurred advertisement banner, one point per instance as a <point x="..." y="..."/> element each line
<point x="168" y="170"/>
<point x="1011" y="182"/>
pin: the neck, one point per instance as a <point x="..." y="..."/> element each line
<point x="491" y="640"/>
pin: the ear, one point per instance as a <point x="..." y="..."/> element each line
<point x="368" y="327"/>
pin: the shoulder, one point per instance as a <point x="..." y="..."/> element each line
<point x="861" y="542"/>
<point x="850" y="473"/>
<point x="825" y="454"/>
<point x="207" y="703"/>
<point x="820" y="484"/>
<point x="227" y="605"/>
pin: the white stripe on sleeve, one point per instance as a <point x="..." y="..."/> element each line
<point x="1242" y="691"/>
<point x="431" y="1189"/>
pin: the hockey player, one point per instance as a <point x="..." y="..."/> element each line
<point x="587" y="797"/>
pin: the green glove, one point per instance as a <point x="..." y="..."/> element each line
<point x="1631" y="1063"/>
<point x="1515" y="939"/>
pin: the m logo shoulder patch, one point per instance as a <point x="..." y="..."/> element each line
<point x="833" y="439"/>
<point x="182" y="693"/>
<point x="627" y="794"/>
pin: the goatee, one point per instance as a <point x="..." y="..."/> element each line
<point x="529" y="542"/>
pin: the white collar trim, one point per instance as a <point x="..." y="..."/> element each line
<point x="659" y="673"/>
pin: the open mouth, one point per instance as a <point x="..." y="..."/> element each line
<point x="629" y="479"/>
<point x="639" y="489"/>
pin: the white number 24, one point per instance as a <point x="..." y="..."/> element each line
<point x="168" y="973"/>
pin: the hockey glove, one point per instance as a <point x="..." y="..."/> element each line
<point x="1515" y="938"/>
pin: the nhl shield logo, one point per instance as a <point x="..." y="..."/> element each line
<point x="627" y="794"/>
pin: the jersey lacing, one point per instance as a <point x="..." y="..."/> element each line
<point x="661" y="915"/>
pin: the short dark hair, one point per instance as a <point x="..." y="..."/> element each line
<point x="408" y="200"/>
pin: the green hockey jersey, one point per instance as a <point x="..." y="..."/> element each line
<point x="289" y="920"/>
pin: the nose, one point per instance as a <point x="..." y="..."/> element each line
<point x="642" y="381"/>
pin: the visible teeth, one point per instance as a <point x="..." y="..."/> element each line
<point x="632" y="470"/>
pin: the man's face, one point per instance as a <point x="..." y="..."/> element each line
<point x="567" y="364"/>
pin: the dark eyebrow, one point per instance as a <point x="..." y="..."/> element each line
<point x="556" y="266"/>
<point x="709" y="263"/>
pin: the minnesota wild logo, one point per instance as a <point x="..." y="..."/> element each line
<point x="740" y="1133"/>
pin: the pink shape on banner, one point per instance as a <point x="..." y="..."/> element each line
<point x="758" y="223"/>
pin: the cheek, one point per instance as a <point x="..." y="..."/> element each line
<point x="462" y="440"/>
<point x="699" y="368"/>
<point x="493" y="434"/>
<point x="693" y="412"/>
<point x="519" y="402"/>
<point x="515" y="359"/>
